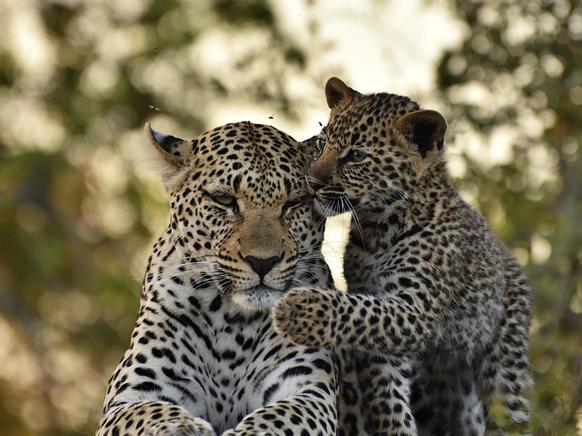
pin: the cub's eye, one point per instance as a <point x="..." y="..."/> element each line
<point x="223" y="199"/>
<point x="320" y="143"/>
<point x="292" y="204"/>
<point x="356" y="155"/>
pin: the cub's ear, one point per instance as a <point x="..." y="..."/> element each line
<point x="172" y="155"/>
<point x="338" y="94"/>
<point x="425" y="128"/>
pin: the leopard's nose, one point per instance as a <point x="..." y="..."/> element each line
<point x="262" y="265"/>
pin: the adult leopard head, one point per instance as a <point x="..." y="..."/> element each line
<point x="242" y="217"/>
<point x="375" y="150"/>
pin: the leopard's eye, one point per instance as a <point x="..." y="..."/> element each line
<point x="223" y="199"/>
<point x="320" y="143"/>
<point x="357" y="155"/>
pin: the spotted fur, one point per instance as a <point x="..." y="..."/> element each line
<point x="430" y="286"/>
<point x="204" y="358"/>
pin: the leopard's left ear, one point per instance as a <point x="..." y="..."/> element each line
<point x="424" y="128"/>
<point x="172" y="155"/>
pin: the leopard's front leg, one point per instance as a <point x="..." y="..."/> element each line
<point x="142" y="400"/>
<point x="311" y="412"/>
<point x="153" y="418"/>
<point x="300" y="395"/>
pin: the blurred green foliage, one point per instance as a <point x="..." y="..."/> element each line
<point x="79" y="206"/>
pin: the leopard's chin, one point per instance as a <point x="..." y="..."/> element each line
<point x="257" y="298"/>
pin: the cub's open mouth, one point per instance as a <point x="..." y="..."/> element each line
<point x="331" y="206"/>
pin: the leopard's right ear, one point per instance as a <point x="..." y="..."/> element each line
<point x="310" y="149"/>
<point x="172" y="155"/>
<point x="338" y="94"/>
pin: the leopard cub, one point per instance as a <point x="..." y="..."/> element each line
<point x="438" y="305"/>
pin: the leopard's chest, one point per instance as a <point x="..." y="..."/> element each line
<point x="238" y="375"/>
<point x="363" y="270"/>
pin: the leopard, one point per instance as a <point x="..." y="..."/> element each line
<point x="439" y="304"/>
<point x="204" y="358"/>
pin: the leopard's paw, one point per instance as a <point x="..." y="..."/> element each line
<point x="247" y="433"/>
<point x="305" y="316"/>
<point x="194" y="427"/>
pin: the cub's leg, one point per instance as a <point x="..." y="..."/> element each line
<point x="468" y="415"/>
<point x="351" y="420"/>
<point x="429" y="401"/>
<point x="446" y="402"/>
<point x="385" y="383"/>
<point x="504" y="369"/>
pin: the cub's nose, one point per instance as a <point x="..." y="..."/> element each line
<point x="262" y="265"/>
<point x="319" y="183"/>
<point x="321" y="174"/>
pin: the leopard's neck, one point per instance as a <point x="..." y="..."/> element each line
<point x="374" y="231"/>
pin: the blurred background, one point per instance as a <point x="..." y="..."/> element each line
<point x="80" y="207"/>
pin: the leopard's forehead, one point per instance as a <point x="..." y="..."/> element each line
<point x="257" y="160"/>
<point x="380" y="109"/>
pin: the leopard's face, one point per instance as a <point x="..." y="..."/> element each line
<point x="364" y="161"/>
<point x="243" y="214"/>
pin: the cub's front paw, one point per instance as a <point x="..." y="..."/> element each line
<point x="306" y="316"/>
<point x="194" y="427"/>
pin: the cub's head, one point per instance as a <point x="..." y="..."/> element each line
<point x="374" y="150"/>
<point x="242" y="219"/>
